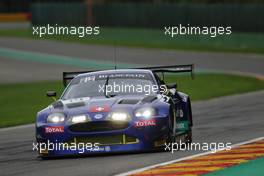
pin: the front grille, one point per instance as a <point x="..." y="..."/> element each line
<point x="98" y="126"/>
<point x="105" y="140"/>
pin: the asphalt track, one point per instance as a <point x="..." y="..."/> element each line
<point x="229" y="119"/>
<point x="11" y="64"/>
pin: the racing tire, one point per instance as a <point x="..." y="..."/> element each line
<point x="188" y="139"/>
<point x="171" y="133"/>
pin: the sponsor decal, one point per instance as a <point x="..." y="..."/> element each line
<point x="179" y="113"/>
<point x="163" y="98"/>
<point x="98" y="116"/>
<point x="75" y="100"/>
<point x="87" y="79"/>
<point x="182" y="125"/>
<point x="144" y="123"/>
<point x="54" y="129"/>
<point x="123" y="75"/>
<point x="184" y="99"/>
<point x="107" y="148"/>
<point x="99" y="109"/>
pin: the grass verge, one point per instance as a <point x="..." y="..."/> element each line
<point x="20" y="102"/>
<point x="253" y="167"/>
<point x="155" y="38"/>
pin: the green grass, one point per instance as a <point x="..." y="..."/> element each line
<point x="207" y="86"/>
<point x="154" y="38"/>
<point x="253" y="167"/>
<point x="20" y="102"/>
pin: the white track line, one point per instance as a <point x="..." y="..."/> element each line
<point x="184" y="158"/>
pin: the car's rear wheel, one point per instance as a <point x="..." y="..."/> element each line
<point x="189" y="134"/>
<point x="188" y="139"/>
<point x="171" y="133"/>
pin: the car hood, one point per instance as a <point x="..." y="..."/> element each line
<point x="100" y="104"/>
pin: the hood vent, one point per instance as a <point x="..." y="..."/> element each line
<point x="148" y="99"/>
<point x="75" y="105"/>
<point x="128" y="101"/>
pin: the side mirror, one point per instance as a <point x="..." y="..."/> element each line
<point x="51" y="94"/>
<point x="172" y="86"/>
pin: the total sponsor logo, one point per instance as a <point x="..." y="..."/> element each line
<point x="144" y="123"/>
<point x="54" y="129"/>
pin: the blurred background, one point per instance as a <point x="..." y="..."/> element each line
<point x="140" y="23"/>
<point x="132" y="33"/>
<point x="242" y="15"/>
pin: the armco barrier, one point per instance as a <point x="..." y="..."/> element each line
<point x="14" y="17"/>
<point x="242" y="17"/>
<point x="58" y="13"/>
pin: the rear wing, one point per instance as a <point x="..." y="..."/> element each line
<point x="68" y="76"/>
<point x="173" y="69"/>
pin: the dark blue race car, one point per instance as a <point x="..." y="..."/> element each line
<point x="122" y="110"/>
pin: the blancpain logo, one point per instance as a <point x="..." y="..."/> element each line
<point x="98" y="116"/>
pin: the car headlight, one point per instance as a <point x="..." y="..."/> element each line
<point x="79" y="119"/>
<point x="56" y="118"/>
<point x="119" y="116"/>
<point x="146" y="113"/>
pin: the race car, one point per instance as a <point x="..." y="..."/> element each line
<point x="121" y="110"/>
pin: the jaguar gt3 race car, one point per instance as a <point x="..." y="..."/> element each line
<point x="122" y="110"/>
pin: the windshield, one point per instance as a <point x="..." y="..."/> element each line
<point x="110" y="85"/>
